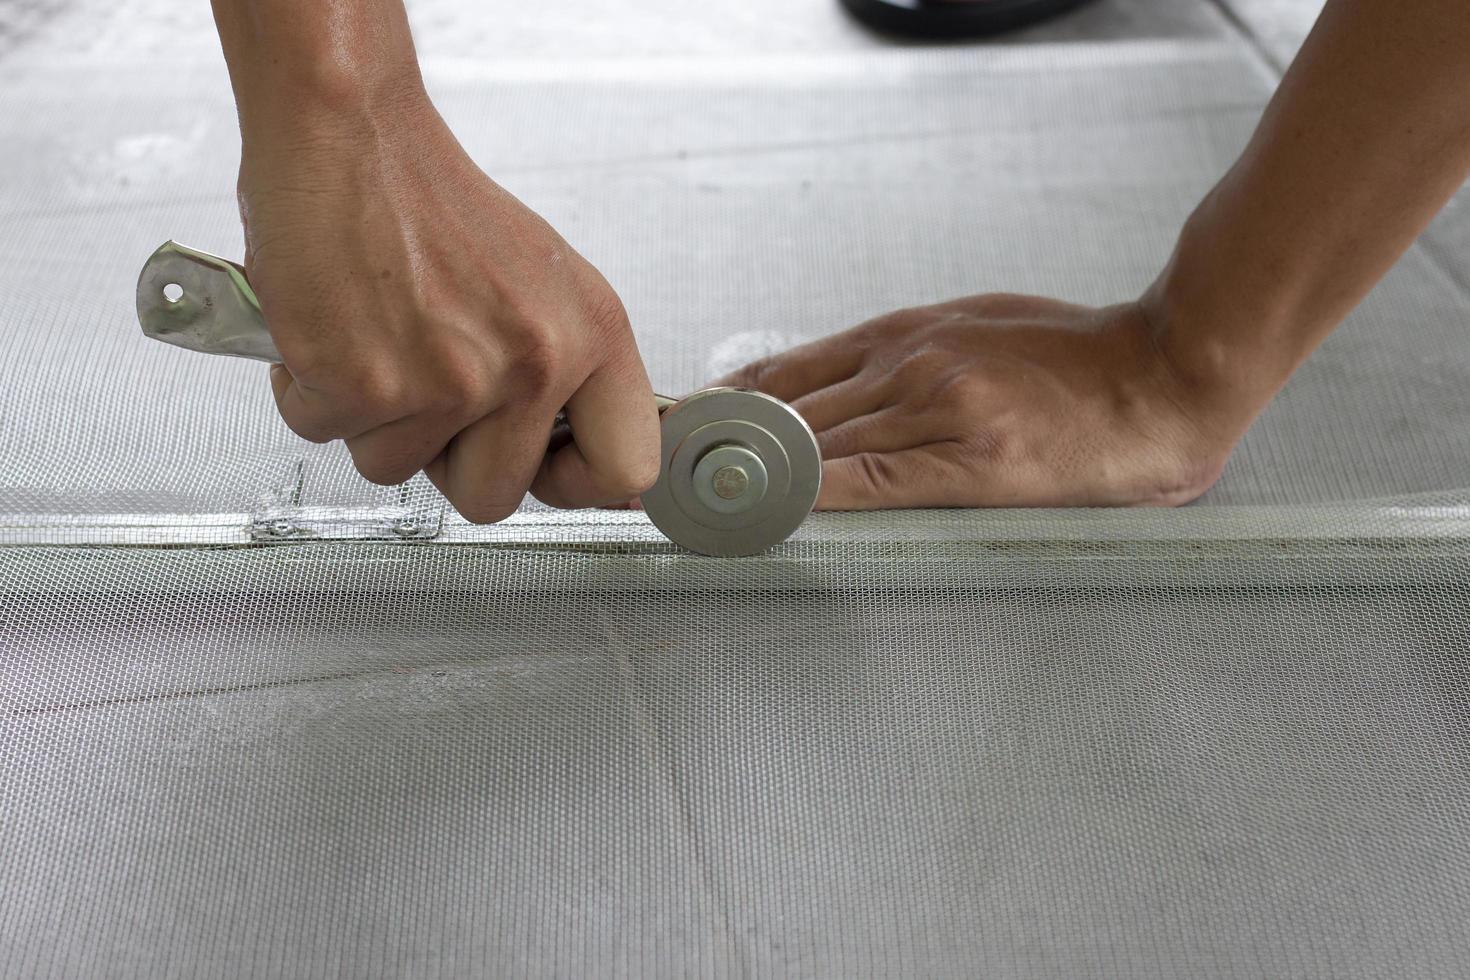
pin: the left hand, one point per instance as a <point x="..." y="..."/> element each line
<point x="1000" y="401"/>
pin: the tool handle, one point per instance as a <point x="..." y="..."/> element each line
<point x="204" y="303"/>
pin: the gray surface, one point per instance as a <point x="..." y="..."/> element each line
<point x="1123" y="773"/>
<point x="1229" y="740"/>
<point x="494" y="773"/>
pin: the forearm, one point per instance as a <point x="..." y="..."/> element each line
<point x="307" y="71"/>
<point x="1366" y="139"/>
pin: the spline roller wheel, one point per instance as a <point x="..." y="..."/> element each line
<point x="740" y="472"/>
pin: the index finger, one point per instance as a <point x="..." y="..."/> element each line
<point x="801" y="370"/>
<point x="615" y="451"/>
<point x="319" y="417"/>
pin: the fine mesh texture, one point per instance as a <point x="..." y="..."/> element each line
<point x="1225" y="740"/>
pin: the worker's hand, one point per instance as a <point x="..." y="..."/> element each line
<point x="999" y="401"/>
<point x="430" y="320"/>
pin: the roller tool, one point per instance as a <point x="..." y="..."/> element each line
<point x="740" y="469"/>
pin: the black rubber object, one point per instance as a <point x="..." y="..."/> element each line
<point x="925" y="18"/>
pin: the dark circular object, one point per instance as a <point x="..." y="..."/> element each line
<point x="978" y="18"/>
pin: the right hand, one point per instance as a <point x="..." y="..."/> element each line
<point x="433" y="322"/>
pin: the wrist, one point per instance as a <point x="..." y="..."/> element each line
<point x="339" y="147"/>
<point x="318" y="72"/>
<point x="1227" y="320"/>
<point x="344" y="110"/>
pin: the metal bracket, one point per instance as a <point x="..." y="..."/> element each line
<point x="416" y="515"/>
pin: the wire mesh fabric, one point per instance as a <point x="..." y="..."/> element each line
<point x="1027" y="757"/>
<point x="260" y="718"/>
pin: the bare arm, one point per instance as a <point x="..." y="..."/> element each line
<point x="1366" y="139"/>
<point x="1014" y="400"/>
<point x="424" y="315"/>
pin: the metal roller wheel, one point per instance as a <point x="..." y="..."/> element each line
<point x="740" y="472"/>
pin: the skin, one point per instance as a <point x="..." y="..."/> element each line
<point x="1016" y="401"/>
<point x="423" y="314"/>
<point x="997" y="400"/>
<point x="451" y="323"/>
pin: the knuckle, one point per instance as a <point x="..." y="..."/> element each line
<point x="1001" y="305"/>
<point x="537" y="362"/>
<point x="633" y="478"/>
<point x="747" y="376"/>
<point x="373" y="385"/>
<point x="484" y="509"/>
<point x="922" y="365"/>
<point x="311" y="429"/>
<point x="306" y="355"/>
<point x="955" y="396"/>
<point x="384" y="472"/>
<point x="606" y="314"/>
<point x="319" y="434"/>
<point x="759" y="374"/>
<point x="896" y="322"/>
<point x="461" y="389"/>
<point x="987" y="444"/>
<point x="874" y="473"/>
<point x="984" y="304"/>
<point x="739" y="378"/>
<point x="835" y="443"/>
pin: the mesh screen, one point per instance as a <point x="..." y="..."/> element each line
<point x="260" y="718"/>
<point x="1027" y="756"/>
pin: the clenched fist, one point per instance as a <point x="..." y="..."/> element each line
<point x="433" y="322"/>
